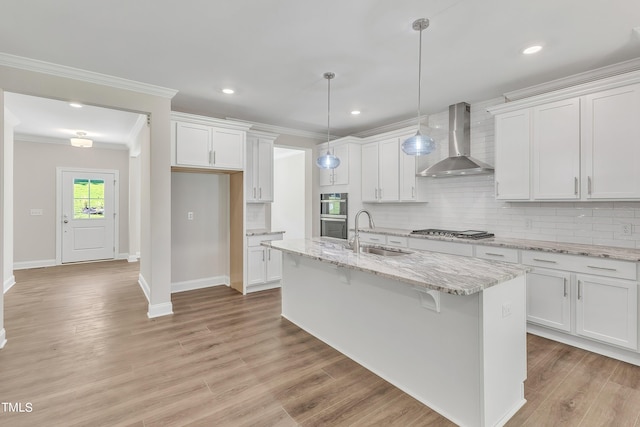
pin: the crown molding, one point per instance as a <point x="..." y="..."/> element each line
<point x="402" y="125"/>
<point x="262" y="134"/>
<point x="38" y="66"/>
<point x="576" y="79"/>
<point x="281" y="129"/>
<point x="210" y="121"/>
<point x="65" y="141"/>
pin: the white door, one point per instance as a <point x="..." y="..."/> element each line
<point x="88" y="215"/>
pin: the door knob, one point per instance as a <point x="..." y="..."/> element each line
<point x="66" y="221"/>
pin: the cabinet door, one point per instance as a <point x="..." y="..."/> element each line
<point x="326" y="176"/>
<point x="408" y="181"/>
<point x="611" y="141"/>
<point x="389" y="171"/>
<point x="228" y="149"/>
<point x="556" y="150"/>
<point x="513" y="139"/>
<point x="193" y="144"/>
<point x="256" y="265"/>
<point x="607" y="310"/>
<point x="341" y="173"/>
<point x="274" y="265"/>
<point x="265" y="170"/>
<point x="548" y="298"/>
<point x="370" y="172"/>
<point x="251" y="170"/>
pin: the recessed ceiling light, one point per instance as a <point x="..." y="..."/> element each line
<point x="532" y="49"/>
<point x="355" y="112"/>
<point x="75" y="105"/>
<point x="228" y="91"/>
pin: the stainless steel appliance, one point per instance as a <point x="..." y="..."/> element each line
<point x="334" y="215"/>
<point x="466" y="234"/>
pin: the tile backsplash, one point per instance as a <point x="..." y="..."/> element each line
<point x="468" y="202"/>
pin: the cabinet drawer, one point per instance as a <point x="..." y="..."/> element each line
<point x="582" y="264"/>
<point x="497" y="254"/>
<point x="441" y="246"/>
<point x="256" y="240"/>
<point x="397" y="241"/>
<point x="376" y="239"/>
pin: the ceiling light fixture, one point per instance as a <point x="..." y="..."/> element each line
<point x="228" y="91"/>
<point x="81" y="141"/>
<point x="532" y="49"/>
<point x="419" y="144"/>
<point x="328" y="160"/>
<point x="75" y="105"/>
<point x="355" y="112"/>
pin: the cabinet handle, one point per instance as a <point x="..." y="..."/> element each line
<point x="254" y="192"/>
<point x="263" y="256"/>
<point x="545" y="260"/>
<point x="380" y="192"/>
<point x="260" y="193"/>
<point x="601" y="268"/>
<point x="376" y="191"/>
<point x="565" y="287"/>
<point x="497" y="188"/>
<point x="210" y="152"/>
<point x="413" y="192"/>
<point x="493" y="254"/>
<point x="269" y="254"/>
<point x="575" y="185"/>
<point x="397" y="242"/>
<point x="589" y="185"/>
<point x="579" y="289"/>
<point x="214" y="157"/>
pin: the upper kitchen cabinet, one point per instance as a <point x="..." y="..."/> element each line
<point x="207" y="143"/>
<point x="339" y="175"/>
<point x="560" y="147"/>
<point x="611" y="143"/>
<point x="259" y="170"/>
<point x="381" y="171"/>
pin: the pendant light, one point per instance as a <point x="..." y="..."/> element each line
<point x="328" y="160"/>
<point x="81" y="141"/>
<point x="419" y="144"/>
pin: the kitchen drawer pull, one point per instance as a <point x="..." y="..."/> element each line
<point x="575" y="186"/>
<point x="375" y="239"/>
<point x="579" y="289"/>
<point x="602" y="268"/>
<point x="493" y="254"/>
<point x="398" y="242"/>
<point x="565" y="287"/>
<point x="545" y="260"/>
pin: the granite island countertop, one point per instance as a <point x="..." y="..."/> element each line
<point x="612" y="252"/>
<point x="452" y="274"/>
<point x="262" y="232"/>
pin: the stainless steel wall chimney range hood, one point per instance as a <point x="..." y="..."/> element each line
<point x="459" y="161"/>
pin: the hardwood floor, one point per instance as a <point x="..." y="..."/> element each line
<point x="83" y="353"/>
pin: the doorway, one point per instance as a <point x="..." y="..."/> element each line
<point x="88" y="223"/>
<point x="288" y="210"/>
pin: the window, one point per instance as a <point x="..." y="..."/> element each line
<point x="88" y="198"/>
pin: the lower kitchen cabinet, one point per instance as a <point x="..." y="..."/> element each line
<point x="264" y="266"/>
<point x="548" y="298"/>
<point x="607" y="310"/>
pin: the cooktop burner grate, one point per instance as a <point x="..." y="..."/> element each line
<point x="466" y="234"/>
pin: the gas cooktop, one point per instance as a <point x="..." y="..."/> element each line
<point x="467" y="234"/>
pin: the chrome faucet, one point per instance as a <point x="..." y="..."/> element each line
<point x="356" y="234"/>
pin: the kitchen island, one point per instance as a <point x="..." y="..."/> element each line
<point x="448" y="330"/>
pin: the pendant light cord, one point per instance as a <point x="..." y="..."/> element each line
<point x="419" y="76"/>
<point x="328" y="112"/>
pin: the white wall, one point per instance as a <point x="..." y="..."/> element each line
<point x="288" y="207"/>
<point x="199" y="247"/>
<point x="35" y="188"/>
<point x="469" y="203"/>
<point x="8" y="279"/>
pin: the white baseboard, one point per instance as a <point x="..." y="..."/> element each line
<point x="123" y="256"/>
<point x="207" y="282"/>
<point x="263" y="287"/>
<point x="3" y="339"/>
<point x="23" y="265"/>
<point x="157" y="310"/>
<point x="133" y="258"/>
<point x="8" y="284"/>
<point x="145" y="287"/>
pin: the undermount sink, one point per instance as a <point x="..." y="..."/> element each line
<point x="383" y="252"/>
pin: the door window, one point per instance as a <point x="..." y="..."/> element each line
<point x="88" y="198"/>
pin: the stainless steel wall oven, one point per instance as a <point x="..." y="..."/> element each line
<point x="334" y="215"/>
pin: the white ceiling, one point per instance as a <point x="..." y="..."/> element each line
<point x="274" y="52"/>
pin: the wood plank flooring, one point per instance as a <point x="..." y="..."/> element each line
<point x="82" y="351"/>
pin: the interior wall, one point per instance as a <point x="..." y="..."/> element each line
<point x="35" y="188"/>
<point x="199" y="247"/>
<point x="288" y="207"/>
<point x="3" y="230"/>
<point x="10" y="122"/>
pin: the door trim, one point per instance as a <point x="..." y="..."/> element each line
<point x="116" y="207"/>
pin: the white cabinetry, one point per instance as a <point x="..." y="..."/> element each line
<point x="259" y="171"/>
<point x="207" y="143"/>
<point x="611" y="143"/>
<point x="408" y="178"/>
<point x="339" y="175"/>
<point x="380" y="171"/>
<point x="443" y="246"/>
<point x="264" y="265"/>
<point x="540" y="146"/>
<point x="589" y="292"/>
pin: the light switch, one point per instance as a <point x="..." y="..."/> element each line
<point x="190" y="216"/>
<point x="36" y="212"/>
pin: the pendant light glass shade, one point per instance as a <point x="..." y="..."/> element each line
<point x="328" y="160"/>
<point x="419" y="144"/>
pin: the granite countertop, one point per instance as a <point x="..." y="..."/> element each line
<point x="262" y="232"/>
<point x="452" y="274"/>
<point x="598" y="251"/>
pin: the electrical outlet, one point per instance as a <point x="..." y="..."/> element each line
<point x="506" y="309"/>
<point x="190" y="216"/>
<point x="627" y="229"/>
<point x="36" y="212"/>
